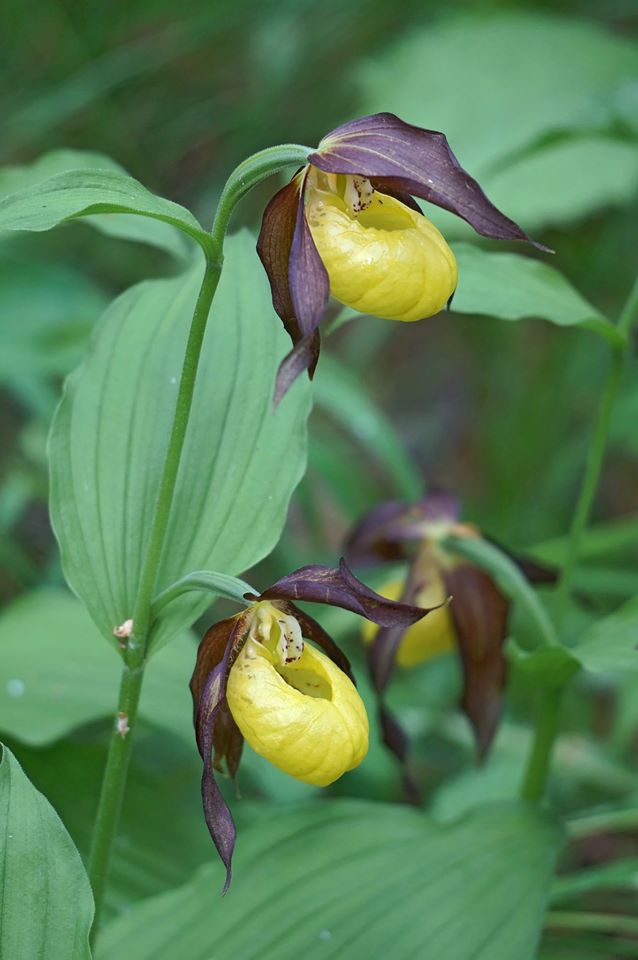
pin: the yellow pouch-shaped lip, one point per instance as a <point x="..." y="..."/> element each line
<point x="305" y="717"/>
<point x="431" y="636"/>
<point x="386" y="260"/>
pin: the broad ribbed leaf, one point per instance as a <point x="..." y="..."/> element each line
<point x="162" y="837"/>
<point x="57" y="675"/>
<point x="46" y="908"/>
<point x="67" y="184"/>
<point x="512" y="287"/>
<point x="356" y="879"/>
<point x="241" y="461"/>
<point x="527" y="141"/>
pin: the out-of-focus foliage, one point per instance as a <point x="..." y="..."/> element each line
<point x="540" y="103"/>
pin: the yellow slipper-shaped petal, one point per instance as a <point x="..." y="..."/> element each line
<point x="386" y="259"/>
<point x="306" y="717"/>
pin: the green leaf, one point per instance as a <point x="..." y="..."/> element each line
<point x="57" y="675"/>
<point x="162" y="837"/>
<point x="561" y="182"/>
<point x="346" y="878"/>
<point x="529" y="79"/>
<point x="512" y="287"/>
<point x="612" y="643"/>
<point x="56" y="307"/>
<point x="341" y="394"/>
<point x="240" y="464"/>
<point x="46" y="909"/>
<point x="65" y="185"/>
<point x="617" y="875"/>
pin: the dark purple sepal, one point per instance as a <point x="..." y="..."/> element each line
<point x="315" y="632"/>
<point x="214" y="728"/>
<point x="480" y="614"/>
<point x="384" y="531"/>
<point x="307" y="276"/>
<point x="273" y="246"/>
<point x="340" y="588"/>
<point x="303" y="356"/>
<point x="219" y="820"/>
<point x="382" y="656"/>
<point x="402" y="157"/>
<point x="370" y="541"/>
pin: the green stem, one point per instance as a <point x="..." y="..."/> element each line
<point x="113" y="785"/>
<point x="596" y="454"/>
<point x="548" y="704"/>
<point x="545" y="733"/>
<point x="604" y="922"/>
<point x="249" y="173"/>
<point x="241" y="180"/>
<point x="612" y="821"/>
<point x="114" y="782"/>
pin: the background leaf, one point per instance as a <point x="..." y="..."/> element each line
<point x="612" y="643"/>
<point x="396" y="882"/>
<point x="339" y="393"/>
<point x="56" y="307"/>
<point x="241" y="461"/>
<point x="59" y="675"/>
<point x="512" y="287"/>
<point x="528" y="81"/>
<point x="46" y="909"/>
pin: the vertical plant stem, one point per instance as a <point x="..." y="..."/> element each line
<point x="549" y="699"/>
<point x="114" y="782"/>
<point x="137" y="646"/>
<point x="545" y="731"/>
<point x="596" y="454"/>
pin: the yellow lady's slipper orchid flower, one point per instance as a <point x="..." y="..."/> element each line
<point x="257" y="677"/>
<point x="472" y="618"/>
<point x="293" y="705"/>
<point x="348" y="225"/>
<point x="430" y="637"/>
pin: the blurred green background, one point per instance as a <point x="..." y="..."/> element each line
<point x="540" y="103"/>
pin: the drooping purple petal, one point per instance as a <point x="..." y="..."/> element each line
<point x="480" y="614"/>
<point x="303" y="356"/>
<point x="215" y="656"/>
<point x="307" y="276"/>
<point x="273" y="246"/>
<point x="340" y="588"/>
<point x="228" y="741"/>
<point x="382" y="655"/>
<point x="315" y="632"/>
<point x="210" y="653"/>
<point x="402" y="157"/>
<point x="219" y="821"/>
